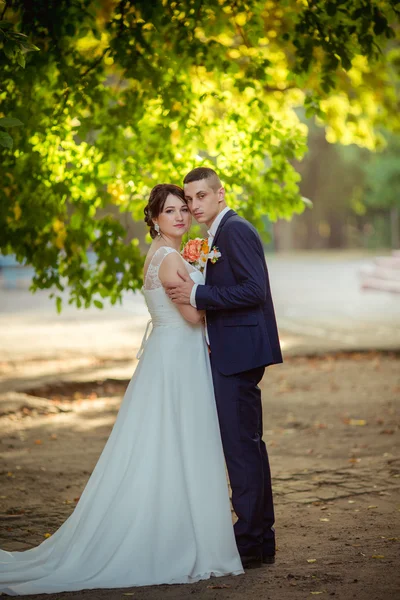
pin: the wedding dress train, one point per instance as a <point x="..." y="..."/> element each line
<point x="156" y="508"/>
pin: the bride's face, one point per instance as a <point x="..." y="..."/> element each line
<point x="174" y="220"/>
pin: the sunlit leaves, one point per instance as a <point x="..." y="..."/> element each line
<point x="130" y="94"/>
<point x="333" y="33"/>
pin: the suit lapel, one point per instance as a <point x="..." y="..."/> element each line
<point x="220" y="226"/>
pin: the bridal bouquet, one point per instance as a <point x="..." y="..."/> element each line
<point x="197" y="253"/>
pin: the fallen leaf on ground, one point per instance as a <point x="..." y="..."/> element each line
<point x="38" y="442"/>
<point x="378" y="556"/>
<point x="372" y="506"/>
<point x="357" y="422"/>
<point x="324" y="520"/>
<point x="311" y="560"/>
<point x="47" y="535"/>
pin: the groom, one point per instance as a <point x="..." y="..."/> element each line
<point x="243" y="338"/>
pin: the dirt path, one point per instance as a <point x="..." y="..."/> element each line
<point x="332" y="429"/>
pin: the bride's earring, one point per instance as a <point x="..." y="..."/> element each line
<point x="157" y="228"/>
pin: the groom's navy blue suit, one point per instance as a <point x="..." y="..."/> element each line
<point x="243" y="340"/>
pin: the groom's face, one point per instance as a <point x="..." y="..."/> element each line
<point x="204" y="202"/>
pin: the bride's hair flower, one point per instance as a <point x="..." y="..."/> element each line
<point x="197" y="253"/>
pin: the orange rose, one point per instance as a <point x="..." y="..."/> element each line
<point x="192" y="250"/>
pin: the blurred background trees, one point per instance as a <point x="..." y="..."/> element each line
<point x="355" y="193"/>
<point x="101" y="100"/>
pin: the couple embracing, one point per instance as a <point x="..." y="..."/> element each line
<point x="156" y="508"/>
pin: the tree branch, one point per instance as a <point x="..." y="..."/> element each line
<point x="4" y="10"/>
<point x="96" y="62"/>
<point x="268" y="88"/>
<point x="58" y="114"/>
<point x="122" y="6"/>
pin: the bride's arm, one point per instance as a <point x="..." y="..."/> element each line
<point x="168" y="273"/>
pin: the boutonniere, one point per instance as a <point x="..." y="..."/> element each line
<point x="197" y="253"/>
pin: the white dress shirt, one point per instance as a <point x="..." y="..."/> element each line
<point x="211" y="235"/>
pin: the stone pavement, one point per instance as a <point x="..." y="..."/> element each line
<point x="319" y="486"/>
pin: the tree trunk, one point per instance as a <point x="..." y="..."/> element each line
<point x="394" y="227"/>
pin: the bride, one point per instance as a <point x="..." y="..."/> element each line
<point x="156" y="508"/>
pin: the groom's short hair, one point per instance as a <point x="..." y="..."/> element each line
<point x="204" y="173"/>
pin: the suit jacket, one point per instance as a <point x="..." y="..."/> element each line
<point x="237" y="298"/>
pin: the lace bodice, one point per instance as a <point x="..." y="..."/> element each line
<point x="151" y="280"/>
<point x="162" y="310"/>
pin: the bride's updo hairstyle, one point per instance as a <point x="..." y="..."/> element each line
<point x="155" y="205"/>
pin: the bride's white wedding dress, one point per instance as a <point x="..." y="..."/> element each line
<point x="156" y="508"/>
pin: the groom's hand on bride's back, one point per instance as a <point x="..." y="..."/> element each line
<point x="179" y="292"/>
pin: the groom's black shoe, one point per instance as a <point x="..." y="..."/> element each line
<point x="268" y="559"/>
<point x="251" y="561"/>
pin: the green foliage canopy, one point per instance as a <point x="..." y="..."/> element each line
<point x="126" y="94"/>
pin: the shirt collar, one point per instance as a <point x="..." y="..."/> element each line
<point x="216" y="223"/>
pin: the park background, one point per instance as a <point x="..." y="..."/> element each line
<point x="296" y="105"/>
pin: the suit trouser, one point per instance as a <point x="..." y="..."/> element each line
<point x="238" y="400"/>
